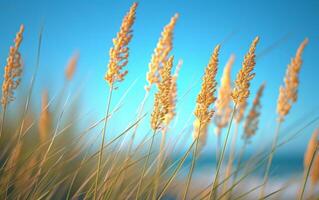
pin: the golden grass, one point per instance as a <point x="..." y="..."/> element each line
<point x="48" y="158"/>
<point x="119" y="53"/>
<point x="223" y="102"/>
<point x="287" y="96"/>
<point x="161" y="53"/>
<point x="13" y="70"/>
<point x="242" y="83"/>
<point x="288" y="93"/>
<point x="45" y="120"/>
<point x="71" y="67"/>
<point x="252" y="119"/>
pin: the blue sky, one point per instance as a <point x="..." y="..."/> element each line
<point x="88" y="27"/>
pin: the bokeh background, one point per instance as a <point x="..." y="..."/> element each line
<point x="87" y="27"/>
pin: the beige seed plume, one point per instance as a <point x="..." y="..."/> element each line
<point x="240" y="111"/>
<point x="71" y="67"/>
<point x="162" y="99"/>
<point x="205" y="98"/>
<point x="45" y="118"/>
<point x="252" y="120"/>
<point x="161" y="52"/>
<point x="119" y="53"/>
<point x="173" y="95"/>
<point x="12" y="70"/>
<point x="313" y="142"/>
<point x="223" y="107"/>
<point x="289" y="91"/>
<point x="241" y="91"/>
<point x="314" y="174"/>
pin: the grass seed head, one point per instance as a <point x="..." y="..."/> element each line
<point x="241" y="91"/>
<point x="162" y="101"/>
<point x="161" y="52"/>
<point x="252" y="120"/>
<point x="223" y="107"/>
<point x="288" y="92"/>
<point x="71" y="67"/>
<point x="206" y="97"/>
<point x="312" y="145"/>
<point x="173" y="95"/>
<point x="119" y="53"/>
<point x="12" y="70"/>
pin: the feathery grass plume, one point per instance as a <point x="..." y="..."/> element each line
<point x="241" y="91"/>
<point x="312" y="145"/>
<point x="252" y="120"/>
<point x="240" y="111"/>
<point x="12" y="70"/>
<point x="206" y="97"/>
<point x="160" y="110"/>
<point x="71" y="67"/>
<point x="119" y="53"/>
<point x="162" y="103"/>
<point x="311" y="164"/>
<point x="160" y="55"/>
<point x="173" y="95"/>
<point x="223" y="107"/>
<point x="314" y="174"/>
<point x="311" y="149"/>
<point x="203" y="113"/>
<point x="239" y="95"/>
<point x="45" y="118"/>
<point x="289" y="91"/>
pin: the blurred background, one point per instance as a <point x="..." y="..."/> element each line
<point x="87" y="28"/>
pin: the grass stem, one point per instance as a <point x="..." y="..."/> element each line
<point x="102" y="143"/>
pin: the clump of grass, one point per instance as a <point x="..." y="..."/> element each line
<point x="55" y="164"/>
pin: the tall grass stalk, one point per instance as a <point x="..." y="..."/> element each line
<point x="46" y="154"/>
<point x="145" y="166"/>
<point x="140" y="111"/>
<point x="231" y="157"/>
<point x="103" y="141"/>
<point x="238" y="168"/>
<point x="190" y="173"/>
<point x="160" y="163"/>
<point x="4" y="109"/>
<point x="34" y="75"/>
<point x="306" y="175"/>
<point x="179" y="166"/>
<point x="270" y="158"/>
<point x="213" y="191"/>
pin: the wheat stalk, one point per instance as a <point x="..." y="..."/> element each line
<point x="287" y="96"/>
<point x="119" y="54"/>
<point x="239" y="94"/>
<point x="203" y="113"/>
